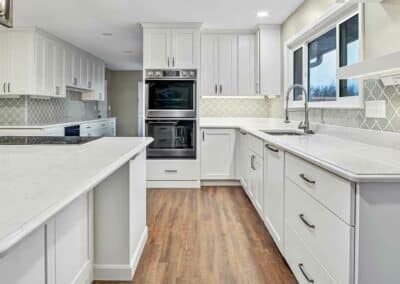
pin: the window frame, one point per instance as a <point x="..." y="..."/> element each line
<point x="333" y="19"/>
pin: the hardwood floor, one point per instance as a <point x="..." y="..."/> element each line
<point x="212" y="235"/>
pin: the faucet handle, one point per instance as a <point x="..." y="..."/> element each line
<point x="302" y="125"/>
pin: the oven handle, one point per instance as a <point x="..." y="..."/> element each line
<point x="163" y="122"/>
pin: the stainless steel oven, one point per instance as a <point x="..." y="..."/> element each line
<point x="171" y="93"/>
<point x="173" y="138"/>
<point x="6" y="13"/>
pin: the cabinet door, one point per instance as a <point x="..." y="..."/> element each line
<point x="246" y="68"/>
<point x="218" y="154"/>
<point x="5" y="59"/>
<point x="84" y="71"/>
<point x="227" y="65"/>
<point x="274" y="192"/>
<point x="60" y="71"/>
<point x="76" y="69"/>
<point x="242" y="165"/>
<point x="258" y="184"/>
<point x="21" y="70"/>
<point x="157" y="48"/>
<point x="209" y="65"/>
<point x="90" y="72"/>
<point x="184" y="48"/>
<point x="49" y="52"/>
<point x="69" y="67"/>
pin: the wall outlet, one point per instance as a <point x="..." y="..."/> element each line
<point x="375" y="109"/>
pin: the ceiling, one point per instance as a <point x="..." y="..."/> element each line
<point x="82" y="22"/>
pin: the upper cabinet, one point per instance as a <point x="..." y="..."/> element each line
<point x="241" y="64"/>
<point x="39" y="64"/>
<point x="171" y="46"/>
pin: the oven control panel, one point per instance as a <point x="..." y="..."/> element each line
<point x="171" y="74"/>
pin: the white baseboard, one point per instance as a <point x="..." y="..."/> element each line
<point x="121" y="272"/>
<point x="220" y="183"/>
<point x="167" y="184"/>
<point x="84" y="275"/>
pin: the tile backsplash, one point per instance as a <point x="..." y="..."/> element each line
<point x="228" y="107"/>
<point x="373" y="91"/>
<point x="31" y="111"/>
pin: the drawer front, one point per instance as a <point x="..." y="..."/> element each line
<point x="256" y="145"/>
<point x="328" y="238"/>
<point x="332" y="191"/>
<point x="304" y="266"/>
<point x="172" y="170"/>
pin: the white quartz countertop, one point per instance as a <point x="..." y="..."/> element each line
<point x="352" y="160"/>
<point x="38" y="181"/>
<point x="41" y="126"/>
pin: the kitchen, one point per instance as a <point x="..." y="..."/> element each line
<point x="167" y="143"/>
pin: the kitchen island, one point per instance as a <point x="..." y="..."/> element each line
<point x="73" y="213"/>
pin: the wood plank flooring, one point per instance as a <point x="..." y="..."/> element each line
<point x="210" y="236"/>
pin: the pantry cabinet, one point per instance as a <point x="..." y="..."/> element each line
<point x="175" y="46"/>
<point x="218" y="154"/>
<point x="39" y="64"/>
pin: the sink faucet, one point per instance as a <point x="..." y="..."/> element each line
<point x="303" y="125"/>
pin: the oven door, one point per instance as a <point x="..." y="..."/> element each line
<point x="173" y="139"/>
<point x="170" y="98"/>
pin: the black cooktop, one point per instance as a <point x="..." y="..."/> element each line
<point x="45" y="140"/>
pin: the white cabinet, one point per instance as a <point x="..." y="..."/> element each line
<point x="256" y="180"/>
<point x="246" y="65"/>
<point x="171" y="47"/>
<point x="268" y="60"/>
<point x="219" y="64"/>
<point x="98" y="128"/>
<point x="242" y="160"/>
<point x="274" y="192"/>
<point x="6" y="61"/>
<point x="218" y="154"/>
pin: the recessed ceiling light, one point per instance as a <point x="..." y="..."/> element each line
<point x="107" y="34"/>
<point x="262" y="14"/>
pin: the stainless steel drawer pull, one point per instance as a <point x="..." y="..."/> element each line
<point x="308" y="224"/>
<point x="309" y="280"/>
<point x="307" y="179"/>
<point x="9" y="87"/>
<point x="220" y="89"/>
<point x="216" y="89"/>
<point x="171" y="171"/>
<point x="4" y="87"/>
<point x="269" y="147"/>
<point x="252" y="162"/>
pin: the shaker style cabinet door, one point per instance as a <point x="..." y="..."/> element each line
<point x="227" y="65"/>
<point x="209" y="65"/>
<point x="184" y="53"/>
<point x="157" y="45"/>
<point x="246" y="69"/>
<point x="218" y="154"/>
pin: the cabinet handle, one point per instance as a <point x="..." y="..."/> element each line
<point x="173" y="61"/>
<point x="168" y="61"/>
<point x="171" y="171"/>
<point x="269" y="147"/>
<point x="216" y="89"/>
<point x="308" y="224"/>
<point x="309" y="280"/>
<point x="242" y="132"/>
<point x="4" y="87"/>
<point x="220" y="89"/>
<point x="307" y="179"/>
<point x="9" y="87"/>
<point x="204" y="137"/>
<point x="252" y="162"/>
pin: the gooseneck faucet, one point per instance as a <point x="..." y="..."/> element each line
<point x="303" y="125"/>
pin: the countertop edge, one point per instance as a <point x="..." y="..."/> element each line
<point x="30" y="226"/>
<point x="43" y="126"/>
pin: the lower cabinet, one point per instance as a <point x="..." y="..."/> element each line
<point x="256" y="180"/>
<point x="217" y="154"/>
<point x="242" y="159"/>
<point x="56" y="253"/>
<point x="274" y="192"/>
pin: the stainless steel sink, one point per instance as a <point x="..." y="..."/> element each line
<point x="283" y="132"/>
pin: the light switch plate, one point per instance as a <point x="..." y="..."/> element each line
<point x="375" y="109"/>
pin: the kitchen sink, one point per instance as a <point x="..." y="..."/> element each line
<point x="283" y="132"/>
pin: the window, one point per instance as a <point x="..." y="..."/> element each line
<point x="349" y="54"/>
<point x="317" y="53"/>
<point x="298" y="72"/>
<point x="322" y="68"/>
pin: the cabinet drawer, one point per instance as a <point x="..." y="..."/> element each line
<point x="172" y="170"/>
<point x="256" y="145"/>
<point x="332" y="191"/>
<point x="304" y="266"/>
<point x="328" y="238"/>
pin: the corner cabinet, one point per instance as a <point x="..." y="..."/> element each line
<point x="171" y="46"/>
<point x="217" y="154"/>
<point x="38" y="64"/>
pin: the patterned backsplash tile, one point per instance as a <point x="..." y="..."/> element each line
<point x="33" y="111"/>
<point x="373" y="90"/>
<point x="227" y="107"/>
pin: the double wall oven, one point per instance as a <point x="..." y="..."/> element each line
<point x="171" y="113"/>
